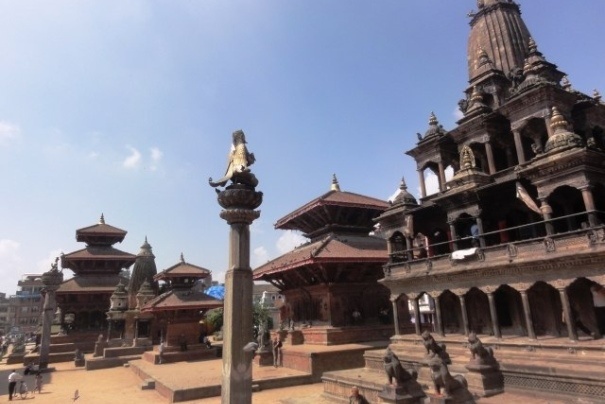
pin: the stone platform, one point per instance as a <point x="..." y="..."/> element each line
<point x="546" y="365"/>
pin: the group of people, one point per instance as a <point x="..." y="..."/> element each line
<point x="15" y="377"/>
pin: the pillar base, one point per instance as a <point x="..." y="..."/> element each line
<point x="484" y="381"/>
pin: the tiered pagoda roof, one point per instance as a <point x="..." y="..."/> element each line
<point x="182" y="274"/>
<point x="99" y="257"/>
<point x="338" y="224"/>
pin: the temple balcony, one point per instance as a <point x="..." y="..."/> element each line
<point x="536" y="252"/>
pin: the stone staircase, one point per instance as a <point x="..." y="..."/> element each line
<point x="558" y="367"/>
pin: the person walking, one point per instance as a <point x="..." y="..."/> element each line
<point x="38" y="382"/>
<point x="13" y="378"/>
<point x="277" y="351"/>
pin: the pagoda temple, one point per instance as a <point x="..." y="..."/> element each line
<point x="179" y="309"/>
<point x="330" y="283"/>
<point x="84" y="299"/>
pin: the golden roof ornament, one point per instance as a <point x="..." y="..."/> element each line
<point x="102" y="219"/>
<point x="334" y="186"/>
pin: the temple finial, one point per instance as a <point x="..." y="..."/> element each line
<point x="403" y="185"/>
<point x="596" y="95"/>
<point x="102" y="219"/>
<point x="334" y="186"/>
<point x="182" y="258"/>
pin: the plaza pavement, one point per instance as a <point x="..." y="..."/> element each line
<point x="122" y="385"/>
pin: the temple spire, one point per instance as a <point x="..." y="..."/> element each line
<point x="102" y="219"/>
<point x="334" y="186"/>
<point x="182" y="258"/>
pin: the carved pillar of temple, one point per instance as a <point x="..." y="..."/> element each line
<point x="394" y="301"/>
<point x="438" y="320"/>
<point x="531" y="333"/>
<point x="441" y="174"/>
<point x="494" y="315"/>
<point x="480" y="227"/>
<point x="422" y="184"/>
<point x="519" y="146"/>
<point x="589" y="204"/>
<point x="567" y="314"/>
<point x="547" y="216"/>
<point x="490" y="158"/>
<point x="414" y="298"/>
<point x="464" y="314"/>
<point x="453" y="234"/>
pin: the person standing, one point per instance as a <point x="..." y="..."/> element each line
<point x="38" y="382"/>
<point x="13" y="378"/>
<point x="277" y="351"/>
<point x="161" y="352"/>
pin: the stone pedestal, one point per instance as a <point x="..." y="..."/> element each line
<point x="484" y="380"/>
<point x="440" y="399"/>
<point x="79" y="362"/>
<point x="264" y="358"/>
<point x="100" y="346"/>
<point x="400" y="395"/>
<point x="294" y="337"/>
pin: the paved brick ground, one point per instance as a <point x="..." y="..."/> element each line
<point x="121" y="385"/>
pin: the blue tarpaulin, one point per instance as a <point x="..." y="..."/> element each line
<point x="217" y="292"/>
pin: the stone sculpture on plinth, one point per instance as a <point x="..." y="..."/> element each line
<point x="484" y="376"/>
<point x="434" y="348"/>
<point x="239" y="200"/>
<point x="448" y="388"/>
<point x="402" y="387"/>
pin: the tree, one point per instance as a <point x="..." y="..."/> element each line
<point x="214" y="318"/>
<point x="260" y="315"/>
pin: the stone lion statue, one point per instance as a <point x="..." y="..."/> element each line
<point x="434" y="348"/>
<point x="479" y="353"/>
<point x="238" y="163"/>
<point x="443" y="380"/>
<point x="394" y="369"/>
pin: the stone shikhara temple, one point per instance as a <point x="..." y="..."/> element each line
<point x="512" y="246"/>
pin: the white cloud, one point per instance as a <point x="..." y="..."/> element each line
<point x="288" y="240"/>
<point x="457" y="114"/>
<point x="9" y="250"/>
<point x="134" y="160"/>
<point x="259" y="256"/>
<point x="44" y="264"/>
<point x="8" y="132"/>
<point x="432" y="181"/>
<point x="156" y="155"/>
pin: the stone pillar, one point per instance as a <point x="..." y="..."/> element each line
<point x="569" y="320"/>
<point x="589" y="205"/>
<point x="238" y="201"/>
<point x="480" y="227"/>
<point x="438" y="318"/>
<point x="464" y="314"/>
<point x="394" y="300"/>
<point x="51" y="280"/>
<point x="547" y="216"/>
<point x="422" y="184"/>
<point x="441" y="175"/>
<point x="494" y="315"/>
<point x="519" y="146"/>
<point x="453" y="235"/>
<point x="416" y="315"/>
<point x="529" y="323"/>
<point x="490" y="158"/>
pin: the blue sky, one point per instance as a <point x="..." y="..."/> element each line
<point x="127" y="107"/>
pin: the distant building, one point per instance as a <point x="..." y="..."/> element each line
<point x="25" y="307"/>
<point x="4" y="316"/>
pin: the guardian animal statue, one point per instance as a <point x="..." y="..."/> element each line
<point x="432" y="347"/>
<point x="395" y="370"/>
<point x="443" y="380"/>
<point x="480" y="354"/>
<point x="238" y="163"/>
